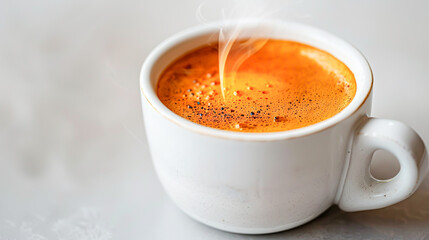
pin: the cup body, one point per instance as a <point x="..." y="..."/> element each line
<point x="252" y="182"/>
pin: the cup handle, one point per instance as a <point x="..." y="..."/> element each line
<point x="363" y="192"/>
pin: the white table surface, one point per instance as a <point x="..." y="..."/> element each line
<point x="74" y="162"/>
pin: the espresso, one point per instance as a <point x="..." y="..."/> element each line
<point x="284" y="85"/>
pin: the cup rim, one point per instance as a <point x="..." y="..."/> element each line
<point x="149" y="93"/>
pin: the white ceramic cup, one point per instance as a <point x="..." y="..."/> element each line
<point x="258" y="183"/>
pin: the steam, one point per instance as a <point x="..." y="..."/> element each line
<point x="237" y="42"/>
<point x="229" y="46"/>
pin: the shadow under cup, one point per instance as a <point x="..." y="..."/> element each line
<point x="257" y="183"/>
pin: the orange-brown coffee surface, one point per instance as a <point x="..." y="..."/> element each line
<point x="283" y="86"/>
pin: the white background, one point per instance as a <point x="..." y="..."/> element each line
<point x="74" y="163"/>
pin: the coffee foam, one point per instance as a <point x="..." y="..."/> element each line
<point x="283" y="86"/>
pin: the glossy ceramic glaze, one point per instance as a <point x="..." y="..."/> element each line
<point x="267" y="182"/>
